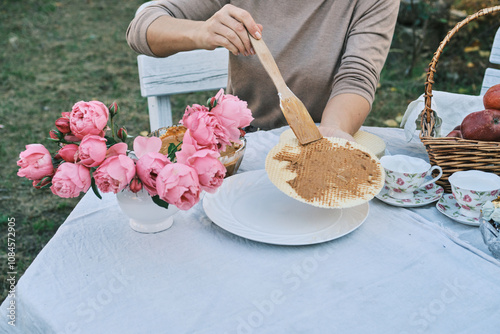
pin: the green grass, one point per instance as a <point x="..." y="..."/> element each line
<point x="55" y="53"/>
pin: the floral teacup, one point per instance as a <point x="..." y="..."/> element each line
<point x="405" y="174"/>
<point x="472" y="189"/>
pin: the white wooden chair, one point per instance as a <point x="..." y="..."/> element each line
<point x="492" y="76"/>
<point x="184" y="72"/>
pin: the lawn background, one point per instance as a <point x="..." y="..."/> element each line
<point x="55" y="53"/>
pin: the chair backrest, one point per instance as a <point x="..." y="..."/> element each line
<point x="184" y="72"/>
<point x="492" y="76"/>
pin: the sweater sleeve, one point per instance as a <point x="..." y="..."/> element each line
<point x="366" y="47"/>
<point x="186" y="9"/>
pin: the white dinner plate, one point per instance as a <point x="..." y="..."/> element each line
<point x="250" y="206"/>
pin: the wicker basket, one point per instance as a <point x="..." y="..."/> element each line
<point x="455" y="154"/>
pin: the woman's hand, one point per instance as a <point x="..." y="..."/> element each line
<point x="228" y="28"/>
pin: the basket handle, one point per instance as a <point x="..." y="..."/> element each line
<point x="428" y="116"/>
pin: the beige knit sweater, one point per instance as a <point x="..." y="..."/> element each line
<point x="322" y="47"/>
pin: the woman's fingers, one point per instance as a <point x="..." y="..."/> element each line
<point x="229" y="28"/>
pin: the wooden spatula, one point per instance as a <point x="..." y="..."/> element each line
<point x="295" y="112"/>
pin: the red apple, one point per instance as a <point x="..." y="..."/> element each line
<point x="491" y="98"/>
<point x="455" y="133"/>
<point x="482" y="125"/>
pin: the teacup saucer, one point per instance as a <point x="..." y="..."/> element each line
<point x="449" y="207"/>
<point x="422" y="196"/>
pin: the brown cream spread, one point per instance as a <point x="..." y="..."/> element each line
<point x="326" y="172"/>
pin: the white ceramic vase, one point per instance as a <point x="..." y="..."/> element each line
<point x="145" y="216"/>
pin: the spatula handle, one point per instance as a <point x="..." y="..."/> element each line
<point x="269" y="64"/>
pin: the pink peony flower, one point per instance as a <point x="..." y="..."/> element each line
<point x="92" y="151"/>
<point x="117" y="149"/>
<point x="400" y="181"/>
<point x="69" y="153"/>
<point x="35" y="162"/>
<point x="232" y="114"/>
<point x="190" y="144"/>
<point x="114" y="174"/>
<point x="429" y="186"/>
<point x="70" y="180"/>
<point x="88" y="118"/>
<point x="178" y="184"/>
<point x="210" y="170"/>
<point x="144" y="145"/>
<point x="467" y="198"/>
<point x="205" y="128"/>
<point x="148" y="168"/>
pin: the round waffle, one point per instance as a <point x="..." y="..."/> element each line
<point x="328" y="173"/>
<point x="372" y="142"/>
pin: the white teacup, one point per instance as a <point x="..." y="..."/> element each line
<point x="405" y="174"/>
<point x="473" y="188"/>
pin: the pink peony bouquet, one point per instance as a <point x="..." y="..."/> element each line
<point x="93" y="153"/>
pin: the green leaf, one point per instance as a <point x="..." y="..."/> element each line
<point x="45" y="179"/>
<point x="158" y="201"/>
<point x="172" y="148"/>
<point x="110" y="141"/>
<point x="94" y="188"/>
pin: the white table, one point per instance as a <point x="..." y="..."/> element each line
<point x="402" y="271"/>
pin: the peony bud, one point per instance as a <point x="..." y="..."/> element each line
<point x="212" y="102"/>
<point x="122" y="134"/>
<point x="69" y="153"/>
<point x="135" y="185"/>
<point x="62" y="124"/>
<point x="113" y="109"/>
<point x="54" y="134"/>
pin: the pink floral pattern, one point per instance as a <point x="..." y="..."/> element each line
<point x="420" y="197"/>
<point x="449" y="207"/>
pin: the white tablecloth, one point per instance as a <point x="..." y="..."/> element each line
<point x="402" y="271"/>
